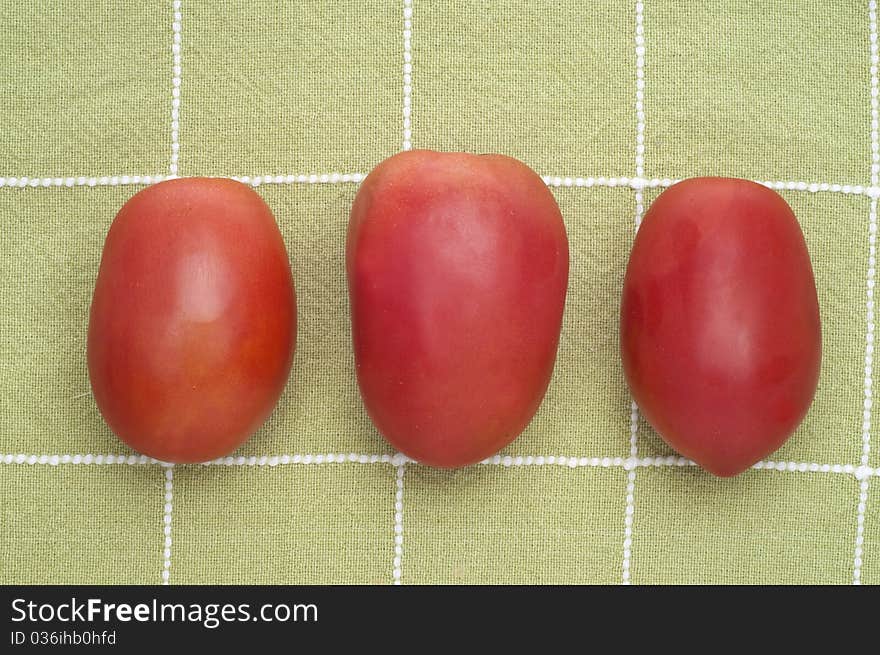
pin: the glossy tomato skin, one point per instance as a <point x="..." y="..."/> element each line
<point x="192" y="326"/>
<point x="457" y="270"/>
<point x="720" y="330"/>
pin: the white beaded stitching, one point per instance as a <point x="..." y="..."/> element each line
<point x="397" y="564"/>
<point x="860" y="530"/>
<point x="175" y="87"/>
<point x="630" y="465"/>
<point x="301" y="178"/>
<point x="166" y="520"/>
<point x="300" y="459"/>
<point x="507" y="461"/>
<point x="640" y="90"/>
<point x="872" y="238"/>
<point x="869" y="333"/>
<point x="20" y="182"/>
<point x="79" y="181"/>
<point x="875" y="92"/>
<point x="629" y="512"/>
<point x="407" y="74"/>
<point x="863" y="470"/>
<point x="399" y="459"/>
<point x="638" y="183"/>
<point x="869" y="306"/>
<point x="88" y="459"/>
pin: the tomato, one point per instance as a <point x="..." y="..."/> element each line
<point x="192" y="326"/>
<point x="719" y="323"/>
<point x="457" y="270"/>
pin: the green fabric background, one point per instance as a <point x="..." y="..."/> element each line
<point x="765" y="90"/>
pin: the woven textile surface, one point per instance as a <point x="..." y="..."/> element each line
<point x="610" y="101"/>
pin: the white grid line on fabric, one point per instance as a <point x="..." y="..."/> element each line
<point x="175" y="86"/>
<point x="146" y="180"/>
<point x="869" y="359"/>
<point x="397" y="565"/>
<point x="176" y="35"/>
<point x="628" y="516"/>
<point x="629" y="507"/>
<point x="22" y="182"/>
<point x="860" y="530"/>
<point x="860" y="472"/>
<point x="638" y="183"/>
<point x="400" y="460"/>
<point x="875" y="92"/>
<point x="302" y="178"/>
<point x="166" y="521"/>
<point x="869" y="302"/>
<point x="869" y="331"/>
<point x="407" y="74"/>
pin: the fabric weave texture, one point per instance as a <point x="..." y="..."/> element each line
<point x="771" y="91"/>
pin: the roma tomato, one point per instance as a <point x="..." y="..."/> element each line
<point x="193" y="320"/>
<point x="719" y="324"/>
<point x="457" y="270"/>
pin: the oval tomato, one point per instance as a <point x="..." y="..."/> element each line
<point x="193" y="320"/>
<point x="719" y="325"/>
<point x="457" y="270"/>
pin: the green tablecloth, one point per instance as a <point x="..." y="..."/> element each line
<point x="278" y="92"/>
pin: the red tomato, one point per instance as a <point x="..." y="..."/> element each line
<point x="457" y="270"/>
<point x="193" y="320"/>
<point x="720" y="332"/>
